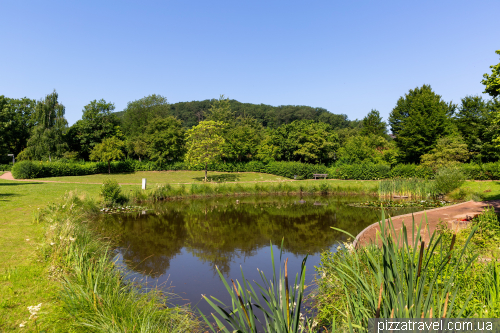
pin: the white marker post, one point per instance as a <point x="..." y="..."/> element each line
<point x="143" y="183"/>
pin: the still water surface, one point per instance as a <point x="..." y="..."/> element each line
<point x="178" y="244"/>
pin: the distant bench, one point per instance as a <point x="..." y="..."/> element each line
<point x="317" y="175"/>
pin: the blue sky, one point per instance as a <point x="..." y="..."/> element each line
<point x="345" y="56"/>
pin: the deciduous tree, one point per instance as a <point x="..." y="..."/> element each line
<point x="139" y="113"/>
<point x="164" y="138"/>
<point x="373" y="124"/>
<point x="204" y="143"/>
<point x="419" y="119"/>
<point x="110" y="149"/>
<point x="492" y="81"/>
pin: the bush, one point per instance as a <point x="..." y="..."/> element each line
<point x="448" y="179"/>
<point x="364" y="171"/>
<point x="5" y="167"/>
<point x="112" y="192"/>
<point x="26" y="170"/>
<point x="411" y="171"/>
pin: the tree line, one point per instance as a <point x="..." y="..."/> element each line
<point x="424" y="129"/>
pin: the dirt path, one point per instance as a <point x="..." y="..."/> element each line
<point x="450" y="215"/>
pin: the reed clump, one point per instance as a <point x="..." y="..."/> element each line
<point x="97" y="295"/>
<point x="414" y="188"/>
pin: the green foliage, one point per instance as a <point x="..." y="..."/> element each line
<point x="163" y="140"/>
<point x="363" y="171"/>
<point x="404" y="278"/>
<point x="419" y="119"/>
<point x="26" y="170"/>
<point x="5" y="167"/>
<point x="220" y="111"/>
<point x="139" y="113"/>
<point x="492" y="81"/>
<point x="363" y="149"/>
<point x="16" y="122"/>
<point x="97" y="123"/>
<point x="475" y="121"/>
<point x="373" y="124"/>
<point x="304" y="141"/>
<point x="204" y="143"/>
<point x="108" y="150"/>
<point x="411" y="171"/>
<point x="449" y="151"/>
<point x="111" y="192"/>
<point x="242" y="139"/>
<point x="282" y="301"/>
<point x="448" y="179"/>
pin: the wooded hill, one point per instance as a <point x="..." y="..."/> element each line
<point x="191" y="113"/>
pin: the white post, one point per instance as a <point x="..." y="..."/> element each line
<point x="143" y="183"/>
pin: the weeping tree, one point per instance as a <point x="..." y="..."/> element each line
<point x="47" y="135"/>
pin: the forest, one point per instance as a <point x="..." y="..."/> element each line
<point x="422" y="129"/>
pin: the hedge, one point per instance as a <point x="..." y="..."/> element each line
<point x="5" y="167"/>
<point x="29" y="169"/>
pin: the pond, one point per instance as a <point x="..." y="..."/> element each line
<point x="178" y="244"/>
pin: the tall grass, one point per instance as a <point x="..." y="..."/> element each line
<point x="413" y="188"/>
<point x="163" y="192"/>
<point x="95" y="293"/>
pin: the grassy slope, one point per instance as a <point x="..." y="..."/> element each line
<point x="488" y="190"/>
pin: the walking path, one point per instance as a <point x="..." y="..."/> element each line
<point x="451" y="215"/>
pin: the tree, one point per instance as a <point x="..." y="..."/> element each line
<point x="136" y="146"/>
<point x="475" y="122"/>
<point x="449" y="150"/>
<point x="97" y="123"/>
<point x="365" y="148"/>
<point x="108" y="150"/>
<point x="139" y="113"/>
<point x="492" y="82"/>
<point x="305" y="141"/>
<point x="373" y="124"/>
<point x="47" y="135"/>
<point x="419" y="119"/>
<point x="220" y="110"/>
<point x="164" y="138"/>
<point x="204" y="143"/>
<point x="242" y="139"/>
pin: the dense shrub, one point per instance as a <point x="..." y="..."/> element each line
<point x="363" y="171"/>
<point x="112" y="192"/>
<point x="411" y="171"/>
<point x="5" y="167"/>
<point x="487" y="171"/>
<point x="448" y="179"/>
<point x="26" y="170"/>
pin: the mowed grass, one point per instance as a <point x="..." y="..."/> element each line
<point x="172" y="177"/>
<point x="487" y="190"/>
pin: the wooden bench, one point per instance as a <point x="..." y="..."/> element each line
<point x="317" y="175"/>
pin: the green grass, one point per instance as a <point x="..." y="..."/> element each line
<point x="486" y="190"/>
<point x="172" y="177"/>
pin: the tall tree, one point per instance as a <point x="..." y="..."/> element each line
<point x="373" y="124"/>
<point x="110" y="149"/>
<point x="204" y="142"/>
<point x="419" y="119"/>
<point x="242" y="139"/>
<point x="475" y="121"/>
<point x="492" y="81"/>
<point x="164" y="138"/>
<point x="138" y="113"/>
<point x="220" y="110"/>
<point x="97" y="123"/>
<point x="47" y="136"/>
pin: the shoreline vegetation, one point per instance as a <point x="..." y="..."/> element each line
<point x="74" y="256"/>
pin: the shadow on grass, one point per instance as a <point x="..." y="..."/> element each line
<point x="5" y="196"/>
<point x="225" y="177"/>
<point x="20" y="183"/>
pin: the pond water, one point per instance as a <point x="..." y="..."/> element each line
<point x="178" y="244"/>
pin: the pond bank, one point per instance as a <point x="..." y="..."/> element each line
<point x="451" y="215"/>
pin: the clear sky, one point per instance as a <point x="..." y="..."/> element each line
<point x="345" y="56"/>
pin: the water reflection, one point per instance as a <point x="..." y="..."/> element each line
<point x="219" y="231"/>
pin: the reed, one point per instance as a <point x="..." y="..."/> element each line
<point x="412" y="188"/>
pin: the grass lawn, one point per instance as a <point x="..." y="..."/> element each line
<point x="172" y="177"/>
<point x="488" y="190"/>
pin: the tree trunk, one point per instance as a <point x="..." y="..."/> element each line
<point x="139" y="159"/>
<point x="205" y="171"/>
<point x="109" y="167"/>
